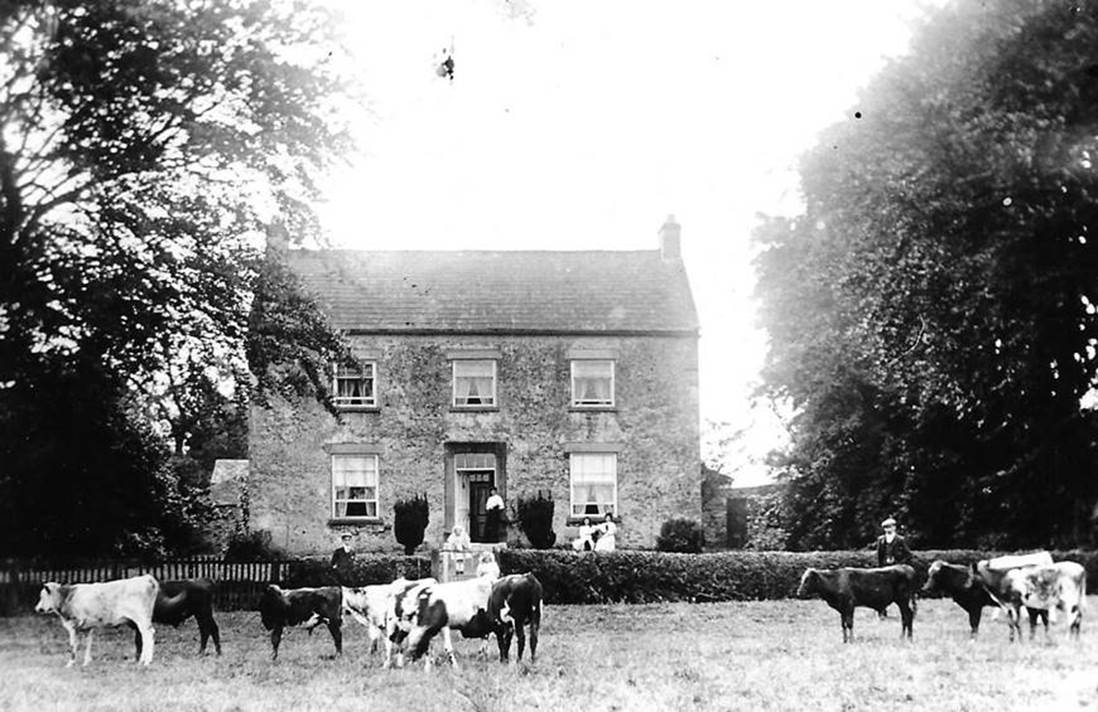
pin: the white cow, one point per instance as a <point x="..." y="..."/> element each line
<point x="369" y="605"/>
<point x="87" y="606"/>
<point x="456" y="605"/>
<point x="401" y="606"/>
<point x="1062" y="586"/>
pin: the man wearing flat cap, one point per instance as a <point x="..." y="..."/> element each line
<point x="891" y="547"/>
<point x="343" y="559"/>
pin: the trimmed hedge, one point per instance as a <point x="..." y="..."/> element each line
<point x="651" y="576"/>
<point x="366" y="570"/>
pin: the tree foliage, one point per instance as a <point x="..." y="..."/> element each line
<point x="932" y="311"/>
<point x="145" y="147"/>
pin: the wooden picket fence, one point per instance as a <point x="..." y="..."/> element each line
<point x="238" y="584"/>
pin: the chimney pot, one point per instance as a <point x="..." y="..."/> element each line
<point x="671" y="240"/>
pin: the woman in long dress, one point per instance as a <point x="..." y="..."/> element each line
<point x="609" y="530"/>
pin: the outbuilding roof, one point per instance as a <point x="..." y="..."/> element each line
<point x="499" y="291"/>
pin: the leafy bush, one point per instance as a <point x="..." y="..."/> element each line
<point x="651" y="576"/>
<point x="536" y="520"/>
<point x="681" y="535"/>
<point x="365" y="570"/>
<point x="410" y="521"/>
<point x="252" y="546"/>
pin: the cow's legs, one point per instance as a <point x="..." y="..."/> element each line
<point x="1014" y="619"/>
<point x="847" y="619"/>
<point x="1036" y="614"/>
<point x="503" y="639"/>
<point x="88" y="646"/>
<point x="520" y="635"/>
<point x="276" y="638"/>
<point x="207" y="628"/>
<point x="335" y="628"/>
<point x="974" y="621"/>
<point x="535" y="624"/>
<point x="448" y="646"/>
<point x="907" y="618"/>
<point x="148" y="636"/>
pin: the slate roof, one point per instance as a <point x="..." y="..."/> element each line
<point x="499" y="291"/>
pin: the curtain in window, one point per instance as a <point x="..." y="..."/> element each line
<point x="354" y="485"/>
<point x="594" y="483"/>
<point x="591" y="382"/>
<point x="473" y="382"/>
<point x="354" y="384"/>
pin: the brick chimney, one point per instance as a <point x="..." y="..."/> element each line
<point x="671" y="240"/>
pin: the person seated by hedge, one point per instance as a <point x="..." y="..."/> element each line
<point x="457" y="544"/>
<point x="585" y="540"/>
<point x="608" y="530"/>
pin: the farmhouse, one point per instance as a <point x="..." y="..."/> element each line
<point x="570" y="374"/>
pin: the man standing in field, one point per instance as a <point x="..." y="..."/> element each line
<point x="891" y="549"/>
<point x="343" y="559"/>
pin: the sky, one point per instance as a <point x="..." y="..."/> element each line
<point x="582" y="125"/>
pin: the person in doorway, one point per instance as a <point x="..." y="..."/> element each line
<point x="608" y="531"/>
<point x="494" y="509"/>
<point x="457" y="544"/>
<point x="343" y="559"/>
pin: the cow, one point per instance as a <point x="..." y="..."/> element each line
<point x="1062" y="585"/>
<point x="279" y="608"/>
<point x="86" y="606"/>
<point x="400" y="611"/>
<point x="179" y="600"/>
<point x="962" y="585"/>
<point x="514" y="603"/>
<point x="846" y="588"/>
<point x="369" y="605"/>
<point x="442" y="607"/>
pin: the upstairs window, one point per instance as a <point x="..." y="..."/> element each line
<point x="592" y="383"/>
<point x="355" y="385"/>
<point x="474" y="383"/>
<point x="354" y="486"/>
<point x="594" y="478"/>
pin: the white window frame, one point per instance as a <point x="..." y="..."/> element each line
<point x="573" y="459"/>
<point x="376" y="500"/>
<point x="369" y="401"/>
<point x="579" y="402"/>
<point x="454" y="382"/>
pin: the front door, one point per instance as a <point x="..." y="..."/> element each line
<point x="478" y="512"/>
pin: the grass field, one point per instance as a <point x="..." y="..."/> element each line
<point x="768" y="655"/>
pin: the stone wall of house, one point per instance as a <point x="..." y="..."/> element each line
<point x="655" y="421"/>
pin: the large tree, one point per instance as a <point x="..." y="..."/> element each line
<point x="145" y="149"/>
<point x="932" y="311"/>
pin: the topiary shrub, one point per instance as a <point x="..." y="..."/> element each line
<point x="536" y="520"/>
<point x="681" y="535"/>
<point x="410" y="517"/>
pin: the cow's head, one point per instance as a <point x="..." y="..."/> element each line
<point x="933" y="577"/>
<point x="49" y="598"/>
<point x="809" y="582"/>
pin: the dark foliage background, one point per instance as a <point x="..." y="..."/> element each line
<point x="932" y="311"/>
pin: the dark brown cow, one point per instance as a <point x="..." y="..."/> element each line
<point x="844" y="589"/>
<point x="178" y="601"/>
<point x="279" y="608"/>
<point x="514" y="603"/>
<point x="968" y="592"/>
